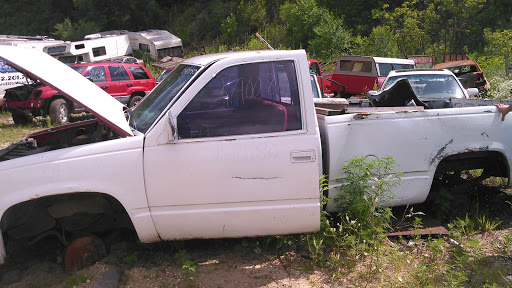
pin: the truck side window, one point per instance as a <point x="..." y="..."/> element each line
<point x="244" y="99"/>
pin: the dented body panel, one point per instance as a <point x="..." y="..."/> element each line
<point x="417" y="141"/>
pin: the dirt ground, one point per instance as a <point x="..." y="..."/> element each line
<point x="247" y="262"/>
<point x="213" y="263"/>
<point x="216" y="263"/>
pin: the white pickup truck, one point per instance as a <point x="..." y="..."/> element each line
<point x="229" y="145"/>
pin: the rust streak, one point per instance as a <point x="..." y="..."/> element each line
<point x="440" y="152"/>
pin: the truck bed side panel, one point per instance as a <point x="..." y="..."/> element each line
<point x="417" y="141"/>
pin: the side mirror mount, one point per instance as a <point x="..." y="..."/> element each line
<point x="472" y="92"/>
<point x="170" y="127"/>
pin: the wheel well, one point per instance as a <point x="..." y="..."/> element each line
<point x="492" y="162"/>
<point x="77" y="212"/>
<point x="452" y="187"/>
<point x="138" y="93"/>
<point x="53" y="98"/>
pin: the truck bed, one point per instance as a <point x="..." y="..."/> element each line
<point x="417" y="139"/>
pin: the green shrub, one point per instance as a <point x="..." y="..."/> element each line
<point x="462" y="227"/>
<point x="367" y="184"/>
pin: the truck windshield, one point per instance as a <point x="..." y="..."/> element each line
<point x="431" y="86"/>
<point x="146" y="112"/>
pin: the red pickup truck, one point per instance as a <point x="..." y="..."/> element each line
<point x="126" y="82"/>
<point x="360" y="74"/>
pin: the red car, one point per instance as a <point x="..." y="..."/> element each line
<point x="126" y="82"/>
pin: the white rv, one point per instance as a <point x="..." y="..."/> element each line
<point x="157" y="43"/>
<point x="32" y="42"/>
<point x="94" y="47"/>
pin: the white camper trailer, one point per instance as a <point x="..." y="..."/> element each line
<point x="31" y="42"/>
<point x="94" y="47"/>
<point x="157" y="43"/>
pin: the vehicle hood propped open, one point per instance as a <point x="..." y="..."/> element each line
<point x="43" y="67"/>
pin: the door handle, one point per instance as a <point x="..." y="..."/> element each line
<point x="303" y="156"/>
<point x="104" y="86"/>
<point x="129" y="84"/>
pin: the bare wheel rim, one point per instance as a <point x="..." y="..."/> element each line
<point x="63" y="113"/>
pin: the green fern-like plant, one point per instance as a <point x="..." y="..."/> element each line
<point x="485" y="224"/>
<point x="367" y="184"/>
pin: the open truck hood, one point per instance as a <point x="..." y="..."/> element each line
<point x="43" y="67"/>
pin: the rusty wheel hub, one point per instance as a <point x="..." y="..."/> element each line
<point x="82" y="252"/>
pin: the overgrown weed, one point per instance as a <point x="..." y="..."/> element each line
<point x="188" y="267"/>
<point x="355" y="244"/>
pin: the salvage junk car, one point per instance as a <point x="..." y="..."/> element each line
<point x="228" y="145"/>
<point x="469" y="73"/>
<point x="434" y="88"/>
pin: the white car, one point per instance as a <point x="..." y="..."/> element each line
<point x="431" y="83"/>
<point x="433" y="88"/>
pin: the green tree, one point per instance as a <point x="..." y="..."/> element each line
<point x="251" y="16"/>
<point x="331" y="39"/>
<point x="74" y="31"/>
<point x="499" y="43"/>
<point x="382" y="42"/>
<point x="229" y="29"/>
<point x="433" y="17"/>
<point x="31" y="18"/>
<point x="412" y="17"/>
<point x="301" y="18"/>
<point x="497" y="50"/>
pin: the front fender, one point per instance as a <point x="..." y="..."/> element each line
<point x="111" y="167"/>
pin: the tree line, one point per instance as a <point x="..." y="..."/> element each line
<point x="325" y="28"/>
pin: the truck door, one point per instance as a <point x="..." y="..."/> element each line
<point x="246" y="159"/>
